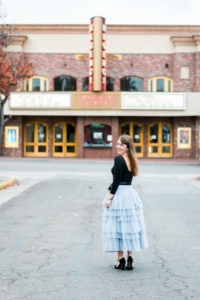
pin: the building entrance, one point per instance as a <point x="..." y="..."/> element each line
<point x="64" y="140"/>
<point x="135" y="130"/>
<point x="36" y="139"/>
<point x="160" y="140"/>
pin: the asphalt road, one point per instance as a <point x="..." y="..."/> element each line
<point x="50" y="233"/>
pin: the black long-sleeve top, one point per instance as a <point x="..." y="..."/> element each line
<point x="120" y="173"/>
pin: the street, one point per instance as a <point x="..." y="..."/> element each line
<point x="50" y="232"/>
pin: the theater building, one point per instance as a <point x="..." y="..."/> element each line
<point x="139" y="80"/>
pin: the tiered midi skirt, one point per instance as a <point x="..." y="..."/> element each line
<point x="123" y="226"/>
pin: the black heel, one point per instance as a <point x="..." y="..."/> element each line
<point x="129" y="263"/>
<point x="122" y="263"/>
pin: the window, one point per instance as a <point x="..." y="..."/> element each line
<point x="97" y="135"/>
<point x="109" y="84"/>
<point x="85" y="84"/>
<point x="131" y="84"/>
<point x="65" y="83"/>
<point x="160" y="84"/>
<point x="36" y="83"/>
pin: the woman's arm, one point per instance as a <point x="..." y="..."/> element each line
<point x="118" y="168"/>
<point x="116" y="179"/>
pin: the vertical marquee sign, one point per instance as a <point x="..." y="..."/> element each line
<point x="91" y="35"/>
<point x="103" y="54"/>
<point x="97" y="55"/>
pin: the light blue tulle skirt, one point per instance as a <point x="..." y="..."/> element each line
<point x="123" y="226"/>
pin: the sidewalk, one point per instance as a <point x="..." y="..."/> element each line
<point x="186" y="161"/>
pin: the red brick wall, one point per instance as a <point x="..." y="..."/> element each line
<point x="52" y="65"/>
<point x="144" y="66"/>
<point x="197" y="72"/>
<point x="184" y="60"/>
<point x="97" y="153"/>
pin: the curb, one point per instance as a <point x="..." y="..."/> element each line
<point x="8" y="183"/>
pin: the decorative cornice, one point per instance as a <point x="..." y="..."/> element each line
<point x="192" y="40"/>
<point x="111" y="29"/>
<point x="19" y="40"/>
<point x="197" y="39"/>
<point x="53" y="29"/>
<point x="183" y="40"/>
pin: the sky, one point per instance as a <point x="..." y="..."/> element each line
<point x="147" y="12"/>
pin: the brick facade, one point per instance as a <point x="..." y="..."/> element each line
<point x="145" y="66"/>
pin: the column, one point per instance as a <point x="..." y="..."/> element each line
<point x="115" y="134"/>
<point x="80" y="136"/>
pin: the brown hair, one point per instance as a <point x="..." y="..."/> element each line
<point x="128" y="141"/>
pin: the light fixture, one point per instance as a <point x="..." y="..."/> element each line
<point x="65" y="64"/>
<point x="131" y="64"/>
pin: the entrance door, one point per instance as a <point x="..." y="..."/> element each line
<point x="160" y="140"/>
<point x="135" y="130"/>
<point x="36" y="139"/>
<point x="64" y="140"/>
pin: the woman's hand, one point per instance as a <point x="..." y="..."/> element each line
<point x="107" y="203"/>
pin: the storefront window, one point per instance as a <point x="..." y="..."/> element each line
<point x="97" y="135"/>
<point x="65" y="83"/>
<point x="131" y="84"/>
<point x="109" y="84"/>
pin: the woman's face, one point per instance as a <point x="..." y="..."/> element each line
<point x="121" y="148"/>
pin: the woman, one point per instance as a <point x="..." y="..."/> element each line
<point x="123" y="224"/>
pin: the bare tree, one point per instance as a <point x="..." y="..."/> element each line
<point x="13" y="68"/>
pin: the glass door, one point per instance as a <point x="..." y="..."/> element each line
<point x="36" y="139"/>
<point x="64" y="140"/>
<point x="135" y="130"/>
<point x="160" y="140"/>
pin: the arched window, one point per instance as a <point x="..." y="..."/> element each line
<point x="36" y="83"/>
<point x="109" y="84"/>
<point x="65" y="83"/>
<point x="85" y="84"/>
<point x="160" y="84"/>
<point x="131" y="84"/>
<point x="97" y="134"/>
